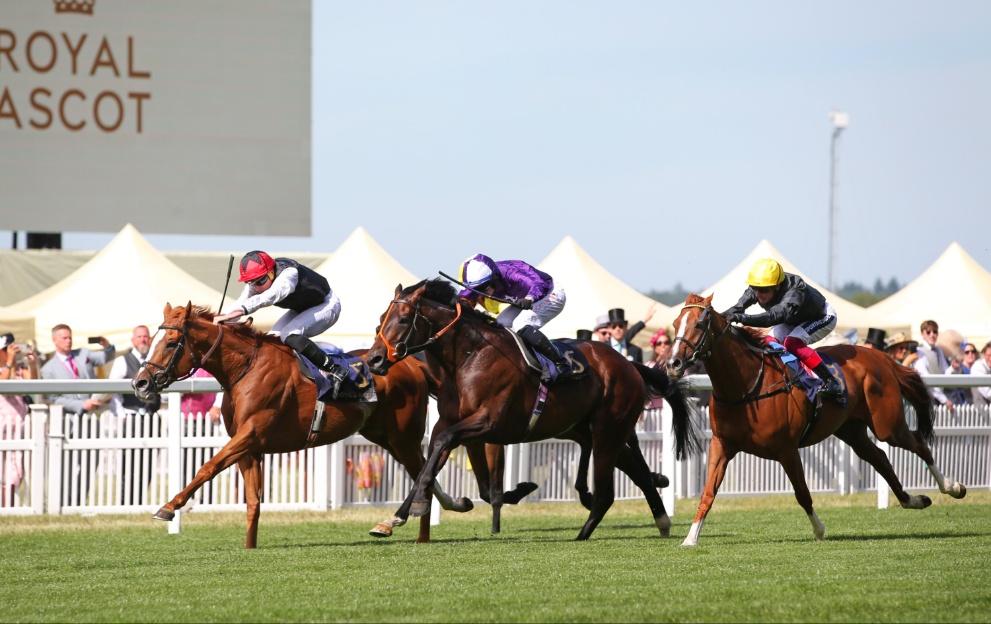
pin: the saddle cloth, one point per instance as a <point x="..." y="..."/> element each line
<point x="357" y="387"/>
<point x="539" y="363"/>
<point x="807" y="380"/>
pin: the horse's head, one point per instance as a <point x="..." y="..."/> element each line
<point x="696" y="330"/>
<point x="411" y="322"/>
<point x="174" y="357"/>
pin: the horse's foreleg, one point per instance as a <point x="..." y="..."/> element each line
<point x="956" y="489"/>
<point x="227" y="457"/>
<point x="250" y="466"/>
<point x="912" y="441"/>
<point x="581" y="478"/>
<point x="792" y="463"/>
<point x="495" y="456"/>
<point x="718" y="459"/>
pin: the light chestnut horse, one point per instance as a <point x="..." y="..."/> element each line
<point x="754" y="409"/>
<point x="268" y="405"/>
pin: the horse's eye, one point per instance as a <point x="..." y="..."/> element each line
<point x="378" y="329"/>
<point x="404" y="320"/>
<point x="172" y="344"/>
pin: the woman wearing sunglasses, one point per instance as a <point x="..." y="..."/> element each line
<point x="796" y="313"/>
<point x="311" y="306"/>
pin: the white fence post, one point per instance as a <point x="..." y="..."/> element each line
<point x="842" y="469"/>
<point x="882" y="485"/>
<point x="321" y="478"/>
<point x="55" y="440"/>
<point x="338" y="473"/>
<point x="174" y="453"/>
<point x="39" y="425"/>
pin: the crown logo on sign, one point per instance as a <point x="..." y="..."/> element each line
<point x="74" y="6"/>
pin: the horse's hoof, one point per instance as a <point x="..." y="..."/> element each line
<point x="521" y="491"/>
<point x="586" y="500"/>
<point x="660" y="481"/>
<point x="664" y="525"/>
<point x="418" y="509"/>
<point x="164" y="514"/>
<point x="466" y="504"/>
<point x="926" y="501"/>
<point x="689" y="543"/>
<point x="381" y="530"/>
<point x="959" y="490"/>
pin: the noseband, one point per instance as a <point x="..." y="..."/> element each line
<point x="696" y="349"/>
<point x="165" y="375"/>
<point x="402" y="349"/>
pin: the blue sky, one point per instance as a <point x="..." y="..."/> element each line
<point x="667" y="138"/>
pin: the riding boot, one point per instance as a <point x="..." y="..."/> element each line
<point x="830" y="385"/>
<point x="542" y="345"/>
<point x="306" y="347"/>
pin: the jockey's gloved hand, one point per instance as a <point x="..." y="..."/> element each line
<point x="523" y="303"/>
<point x="732" y="317"/>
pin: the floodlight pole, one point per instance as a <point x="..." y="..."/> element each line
<point x="840" y="121"/>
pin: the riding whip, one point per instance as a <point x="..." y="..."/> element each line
<point x="462" y="284"/>
<point x="230" y="266"/>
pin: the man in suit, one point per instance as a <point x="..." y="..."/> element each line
<point x="69" y="363"/>
<point x="622" y="334"/>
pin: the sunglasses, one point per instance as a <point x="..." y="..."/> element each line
<point x="662" y="342"/>
<point x="970" y="352"/>
<point x="260" y="281"/>
<point x="934" y="332"/>
<point x="763" y="289"/>
<point x="603" y="332"/>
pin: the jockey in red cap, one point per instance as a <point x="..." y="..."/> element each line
<point x="311" y="306"/>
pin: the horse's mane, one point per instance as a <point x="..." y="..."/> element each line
<point x="206" y="313"/>
<point x="753" y="336"/>
<point x="441" y="291"/>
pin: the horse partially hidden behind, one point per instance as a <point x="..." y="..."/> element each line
<point x="755" y="408"/>
<point x="495" y="395"/>
<point x="268" y="405"/>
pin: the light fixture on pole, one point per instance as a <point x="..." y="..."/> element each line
<point x="840" y="121"/>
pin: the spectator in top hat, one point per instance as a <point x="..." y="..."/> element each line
<point x="584" y="334"/>
<point x="622" y="334"/>
<point x="875" y="339"/>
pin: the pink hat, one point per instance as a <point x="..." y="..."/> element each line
<point x="661" y="333"/>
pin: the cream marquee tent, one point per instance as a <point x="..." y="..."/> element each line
<point x="592" y="291"/>
<point x="955" y="291"/>
<point x="728" y="290"/>
<point x="26" y="272"/>
<point x="127" y="283"/>
<point x="21" y="325"/>
<point x="365" y="277"/>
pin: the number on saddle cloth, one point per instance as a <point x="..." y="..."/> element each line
<point x="358" y="386"/>
<point x="804" y="378"/>
<point x="567" y="348"/>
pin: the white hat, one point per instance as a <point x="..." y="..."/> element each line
<point x="601" y="321"/>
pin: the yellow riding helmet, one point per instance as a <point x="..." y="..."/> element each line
<point x="765" y="272"/>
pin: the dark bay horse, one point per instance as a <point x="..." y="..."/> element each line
<point x="753" y="410"/>
<point x="268" y="404"/>
<point x="496" y="393"/>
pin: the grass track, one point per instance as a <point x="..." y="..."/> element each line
<point x="756" y="561"/>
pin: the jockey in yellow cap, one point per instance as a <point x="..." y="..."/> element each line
<point x="796" y="313"/>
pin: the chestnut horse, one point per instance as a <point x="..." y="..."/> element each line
<point x="496" y="393"/>
<point x="268" y="404"/>
<point x="756" y="409"/>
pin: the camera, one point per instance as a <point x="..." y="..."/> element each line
<point x="93" y="340"/>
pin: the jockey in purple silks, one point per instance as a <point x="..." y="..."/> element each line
<point x="534" y="300"/>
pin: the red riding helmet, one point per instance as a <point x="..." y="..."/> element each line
<point x="254" y="264"/>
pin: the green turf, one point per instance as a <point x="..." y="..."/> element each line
<point x="756" y="561"/>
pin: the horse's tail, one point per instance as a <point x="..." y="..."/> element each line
<point x="685" y="419"/>
<point x="915" y="391"/>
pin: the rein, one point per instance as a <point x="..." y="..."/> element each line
<point x="401" y="349"/>
<point x="165" y="376"/>
<point x="752" y="394"/>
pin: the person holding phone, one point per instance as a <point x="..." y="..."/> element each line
<point x="69" y="363"/>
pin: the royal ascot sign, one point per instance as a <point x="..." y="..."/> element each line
<point x="176" y="116"/>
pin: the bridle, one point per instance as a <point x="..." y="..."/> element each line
<point x="697" y="353"/>
<point x="402" y="349"/>
<point x="165" y="375"/>
<point x="696" y="349"/>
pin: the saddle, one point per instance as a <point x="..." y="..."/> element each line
<point x="801" y="376"/>
<point x="540" y="364"/>
<point x="357" y="387"/>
